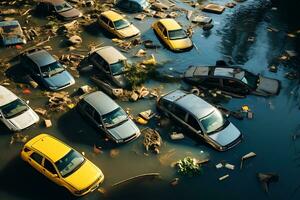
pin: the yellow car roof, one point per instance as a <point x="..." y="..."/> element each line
<point x="170" y="24"/>
<point x="113" y="16"/>
<point x="49" y="146"/>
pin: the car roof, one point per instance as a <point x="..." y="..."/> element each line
<point x="6" y="96"/>
<point x="101" y="102"/>
<point x="229" y="72"/>
<point x="110" y="54"/>
<point x="191" y="103"/>
<point x="41" y="58"/>
<point x="170" y="24"/>
<point x="114" y="16"/>
<point x="49" y="146"/>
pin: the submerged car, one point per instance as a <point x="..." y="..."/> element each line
<point x="106" y="115"/>
<point x="117" y="25"/>
<point x="14" y="112"/>
<point x="62" y="164"/>
<point x="201" y="118"/>
<point x="47" y="70"/>
<point x="172" y="34"/>
<point x="233" y="80"/>
<point x="11" y="33"/>
<point x="133" y="5"/>
<point x="111" y="63"/>
<point x="61" y="8"/>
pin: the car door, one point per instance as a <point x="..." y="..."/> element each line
<point x="211" y="82"/>
<point x="35" y="160"/>
<point x="97" y="61"/>
<point x="178" y="113"/>
<point x="104" y="22"/>
<point x="50" y="171"/>
<point x="98" y="120"/>
<point x="193" y="125"/>
<point x="159" y="30"/>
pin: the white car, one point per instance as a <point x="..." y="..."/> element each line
<point x="14" y="112"/>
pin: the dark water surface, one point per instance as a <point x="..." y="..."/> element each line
<point x="268" y="134"/>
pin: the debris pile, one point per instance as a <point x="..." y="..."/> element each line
<point x="59" y="101"/>
<point x="152" y="140"/>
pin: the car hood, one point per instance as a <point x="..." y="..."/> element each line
<point x="125" y="130"/>
<point x="59" y="80"/>
<point x="227" y="135"/>
<point x="24" y="120"/>
<point x="72" y="13"/>
<point x="84" y="177"/>
<point x="129" y="31"/>
<point x="181" y="43"/>
<point x="268" y="86"/>
<point x="121" y="80"/>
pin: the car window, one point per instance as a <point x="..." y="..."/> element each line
<point x="165" y="33"/>
<point x="31" y="65"/>
<point x="177" y="111"/>
<point x="193" y="122"/>
<point x="104" y="19"/>
<point x="135" y="6"/>
<point x="36" y="157"/>
<point x="233" y="84"/>
<point x="110" y="24"/>
<point x="49" y="166"/>
<point x="89" y="109"/>
<point x="97" y="117"/>
<point x="212" y="81"/>
<point x="160" y="26"/>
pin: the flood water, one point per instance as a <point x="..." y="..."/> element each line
<point x="268" y="134"/>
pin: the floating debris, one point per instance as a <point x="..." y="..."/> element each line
<point x="174" y="182"/>
<point x="152" y="140"/>
<point x="223" y="177"/>
<point x="41" y="111"/>
<point x="213" y="8"/>
<point x="114" y="153"/>
<point x="48" y="123"/>
<point x="247" y="156"/>
<point x="147" y="115"/>
<point x="188" y="166"/>
<point x="266" y="179"/>
<point x="229" y="166"/>
<point x="176" y="136"/>
<point x="18" y="137"/>
<point x="219" y="165"/>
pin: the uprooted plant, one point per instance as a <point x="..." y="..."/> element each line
<point x="189" y="166"/>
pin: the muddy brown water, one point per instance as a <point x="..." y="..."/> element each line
<point x="268" y="134"/>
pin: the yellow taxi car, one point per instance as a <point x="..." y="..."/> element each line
<point x="62" y="164"/>
<point x="117" y="25"/>
<point x="172" y="34"/>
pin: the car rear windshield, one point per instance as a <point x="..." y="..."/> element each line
<point x="118" y="67"/>
<point x="52" y="69"/>
<point x="115" y="117"/>
<point x="14" y="108"/>
<point x="177" y="34"/>
<point x="63" y="7"/>
<point x="69" y="163"/>
<point x="121" y="23"/>
<point x="213" y="122"/>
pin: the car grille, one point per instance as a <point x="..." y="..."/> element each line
<point x="63" y="86"/>
<point x="129" y="138"/>
<point x="235" y="142"/>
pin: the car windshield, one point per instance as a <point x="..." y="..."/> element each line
<point x="115" y="117"/>
<point x="121" y="23"/>
<point x="14" y="108"/>
<point x="177" y="34"/>
<point x="250" y="79"/>
<point x="213" y="121"/>
<point x="69" y="163"/>
<point x="63" y="7"/>
<point x="52" y="69"/>
<point x="118" y="67"/>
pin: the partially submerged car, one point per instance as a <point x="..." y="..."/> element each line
<point x="117" y="25"/>
<point x="62" y="164"/>
<point x="11" y="33"/>
<point x="14" y="112"/>
<point x="201" y="118"/>
<point x="133" y="5"/>
<point x="111" y="63"/>
<point x="47" y="70"/>
<point x="61" y="8"/>
<point x="106" y="115"/>
<point x="232" y="80"/>
<point x="172" y="34"/>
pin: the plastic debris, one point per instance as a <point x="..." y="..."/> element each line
<point x="174" y="182"/>
<point x="176" y="136"/>
<point x="219" y="165"/>
<point x="213" y="8"/>
<point x="247" y="156"/>
<point x="114" y="153"/>
<point x="140" y="120"/>
<point x="245" y="108"/>
<point x="96" y="149"/>
<point x="150" y="61"/>
<point x="18" y="137"/>
<point x="223" y="177"/>
<point x="229" y="166"/>
<point x="40" y="111"/>
<point x="147" y="115"/>
<point x="48" y="123"/>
